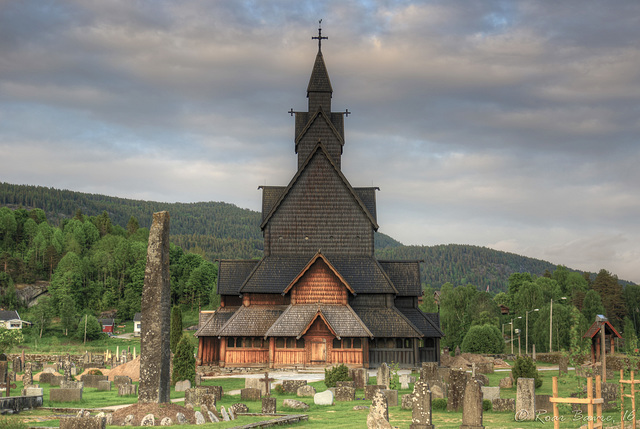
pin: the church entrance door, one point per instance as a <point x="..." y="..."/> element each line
<point x="318" y="352"/>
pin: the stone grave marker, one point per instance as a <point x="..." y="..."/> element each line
<point x="384" y="376"/>
<point x="563" y="366"/>
<point x="345" y="393"/>
<point x="421" y="416"/>
<point x="155" y="355"/>
<point x="526" y="399"/>
<point x="360" y="377"/>
<point x="457" y="385"/>
<point x="404" y="381"/>
<point x="378" y="416"/>
<point x="306" y="391"/>
<point x="472" y="406"/>
<point x="250" y="394"/>
<point x="268" y="405"/>
<point x="291" y="386"/>
<point x="392" y="397"/>
<point x="371" y="389"/>
<point x="490" y="393"/>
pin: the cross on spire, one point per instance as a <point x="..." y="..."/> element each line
<point x="319" y="38"/>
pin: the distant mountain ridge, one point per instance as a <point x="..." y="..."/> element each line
<point x="221" y="230"/>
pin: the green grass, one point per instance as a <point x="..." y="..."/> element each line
<point x="340" y="415"/>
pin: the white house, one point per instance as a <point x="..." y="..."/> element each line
<point x="10" y="319"/>
<point x="137" y="321"/>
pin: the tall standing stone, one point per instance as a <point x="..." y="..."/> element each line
<point x="155" y="355"/>
<point x="526" y="399"/>
<point x="457" y="385"/>
<point x="378" y="417"/>
<point x="384" y="375"/>
<point x="421" y="406"/>
<point x="27" y="378"/>
<point x="472" y="406"/>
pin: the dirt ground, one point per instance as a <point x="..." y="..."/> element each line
<point x="131" y="369"/>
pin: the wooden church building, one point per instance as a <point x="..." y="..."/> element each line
<point x="318" y="296"/>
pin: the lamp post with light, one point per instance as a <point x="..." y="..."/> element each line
<point x="519" y="317"/>
<point x="526" y="335"/>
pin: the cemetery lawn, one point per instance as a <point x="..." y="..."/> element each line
<point x="340" y="415"/>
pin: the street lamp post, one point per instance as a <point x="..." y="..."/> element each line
<point x="519" y="317"/>
<point x="526" y="335"/>
<point x="551" y="324"/>
<point x="518" y="331"/>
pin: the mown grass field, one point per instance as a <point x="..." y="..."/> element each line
<point x="340" y="415"/>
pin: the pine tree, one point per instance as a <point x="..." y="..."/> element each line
<point x="184" y="362"/>
<point x="176" y="328"/>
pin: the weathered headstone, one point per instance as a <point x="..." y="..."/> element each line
<point x="198" y="375"/>
<point x="406" y="401"/>
<point x="392" y="397"/>
<point x="490" y="393"/>
<point x="166" y="421"/>
<point x="67" y="368"/>
<point x="533" y="352"/>
<point x="209" y="400"/>
<point x="504" y="404"/>
<point x="472" y="406"/>
<point x="421" y="408"/>
<point x="371" y="389"/>
<point x="268" y="405"/>
<point x="225" y="415"/>
<point x="155" y="377"/>
<point x="345" y="394"/>
<point x="323" y="398"/>
<point x="360" y="377"/>
<point x="183" y="385"/>
<point x="65" y="395"/>
<point x="346" y="384"/>
<point x="104" y="385"/>
<point x="255" y="383"/>
<point x="199" y="418"/>
<point x="378" y="416"/>
<point x="404" y="381"/>
<point x="563" y="366"/>
<point x="384" y="376"/>
<point x="148" y="420"/>
<point x="250" y="394"/>
<point x="506" y="383"/>
<point x="239" y="408"/>
<point x="543" y="404"/>
<point x="267" y="382"/>
<point x="457" y="352"/>
<point x="83" y="423"/>
<point x="27" y="378"/>
<point x="429" y="372"/>
<point x="212" y="417"/>
<point x="525" y="399"/>
<point x="306" y="391"/>
<point x="91" y="381"/>
<point x="71" y="384"/>
<point x="17" y="364"/>
<point x="127" y="389"/>
<point x="457" y="384"/>
<point x="297" y="405"/>
<point x="291" y="386"/>
<point x="121" y="379"/>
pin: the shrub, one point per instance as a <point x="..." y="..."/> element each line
<point x="279" y="389"/>
<point x="487" y="405"/>
<point x="525" y="368"/>
<point x="93" y="327"/>
<point x="439" y="404"/>
<point x="184" y="363"/>
<point x="94" y="372"/>
<point x="337" y="373"/>
<point x="483" y="339"/>
<point x="176" y="328"/>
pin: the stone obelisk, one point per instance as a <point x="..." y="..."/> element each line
<point x="155" y="355"/>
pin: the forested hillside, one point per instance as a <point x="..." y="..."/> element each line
<point x="218" y="230"/>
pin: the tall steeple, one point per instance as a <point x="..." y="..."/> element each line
<point x="319" y="90"/>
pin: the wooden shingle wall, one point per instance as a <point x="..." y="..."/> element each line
<point x="319" y="131"/>
<point x="319" y="284"/>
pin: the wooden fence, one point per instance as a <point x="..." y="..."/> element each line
<point x="590" y="401"/>
<point x="632" y="395"/>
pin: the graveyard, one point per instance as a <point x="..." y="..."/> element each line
<point x="349" y="404"/>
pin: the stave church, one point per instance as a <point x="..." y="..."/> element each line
<point x="318" y="297"/>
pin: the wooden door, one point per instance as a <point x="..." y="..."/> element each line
<point x="318" y="352"/>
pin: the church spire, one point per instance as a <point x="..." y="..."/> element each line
<point x="319" y="89"/>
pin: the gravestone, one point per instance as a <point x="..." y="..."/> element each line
<point x="490" y="393"/>
<point x="437" y="392"/>
<point x="198" y="375"/>
<point x="360" y="377"/>
<point x="404" y="381"/>
<point x="155" y="355"/>
<point x="127" y="389"/>
<point x="472" y="406"/>
<point x="384" y="376"/>
<point x="239" y="408"/>
<point x="183" y="385"/>
<point x="378" y="416"/>
<point x="371" y="390"/>
<point x="65" y="395"/>
<point x="526" y="399"/>
<point x="429" y="372"/>
<point x="83" y="422"/>
<point x="406" y="401"/>
<point x="392" y="397"/>
<point x="71" y="384"/>
<point x="268" y="405"/>
<point x="67" y="368"/>
<point x="255" y="383"/>
<point x="421" y="406"/>
<point x="225" y="416"/>
<point x="91" y="380"/>
<point x="17" y="364"/>
<point x="543" y="404"/>
<point x="484" y="367"/>
<point x="345" y="393"/>
<point x="250" y="394"/>
<point x="104" y="385"/>
<point x="267" y="382"/>
<point x="504" y="404"/>
<point x="457" y="385"/>
<point x="27" y="378"/>
<point x="457" y="352"/>
<point x="346" y="384"/>
<point x="121" y="379"/>
<point x="323" y="398"/>
<point x="291" y="386"/>
<point x="306" y="391"/>
<point x="210" y="400"/>
<point x="199" y="418"/>
<point x="297" y="405"/>
<point x="506" y="383"/>
<point x="563" y="366"/>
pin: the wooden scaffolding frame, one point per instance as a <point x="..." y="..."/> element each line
<point x="632" y="395"/>
<point x="589" y="400"/>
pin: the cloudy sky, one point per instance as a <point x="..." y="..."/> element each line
<point x="508" y="124"/>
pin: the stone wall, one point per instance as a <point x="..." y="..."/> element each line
<point x="19" y="403"/>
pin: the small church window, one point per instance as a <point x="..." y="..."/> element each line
<point x="231" y="342"/>
<point x="407" y="343"/>
<point x="337" y="344"/>
<point x="280" y="343"/>
<point x="291" y="343"/>
<point x="300" y="343"/>
<point x="357" y="343"/>
<point x="346" y="343"/>
<point x="399" y="343"/>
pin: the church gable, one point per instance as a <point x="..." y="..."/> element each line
<point x="319" y="283"/>
<point x="319" y="129"/>
<point x="319" y="210"/>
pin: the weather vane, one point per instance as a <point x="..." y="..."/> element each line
<point x="319" y="38"/>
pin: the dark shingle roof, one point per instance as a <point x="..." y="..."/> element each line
<point x="368" y="197"/>
<point x="270" y="196"/>
<point x="9" y="315"/>
<point x="422" y="322"/>
<point x="137" y="317"/>
<point x="210" y="323"/>
<point x="252" y="321"/>
<point x="107" y="322"/>
<point x="341" y="319"/>
<point x="405" y="276"/>
<point x="319" y="80"/>
<point x="274" y="273"/>
<point x="386" y="322"/>
<point x="363" y="273"/>
<point x="232" y="274"/>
